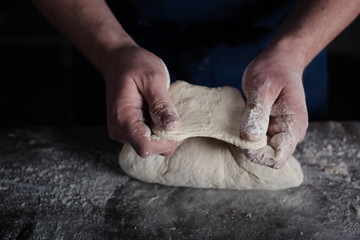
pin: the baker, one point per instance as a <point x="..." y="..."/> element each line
<point x="268" y="49"/>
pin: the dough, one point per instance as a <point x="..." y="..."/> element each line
<point x="209" y="163"/>
<point x="210" y="156"/>
<point x="208" y="112"/>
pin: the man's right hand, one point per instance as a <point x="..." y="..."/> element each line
<point x="137" y="85"/>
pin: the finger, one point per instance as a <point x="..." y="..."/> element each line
<point x="129" y="126"/>
<point x="280" y="148"/>
<point x="171" y="152"/>
<point x="264" y="156"/>
<point x="146" y="144"/>
<point x="287" y="127"/>
<point x="155" y="91"/>
<point x="289" y="114"/>
<point x="280" y="124"/>
<point x="284" y="144"/>
<point x="281" y="144"/>
<point x="255" y="119"/>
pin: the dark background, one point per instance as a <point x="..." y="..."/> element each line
<point x="37" y="86"/>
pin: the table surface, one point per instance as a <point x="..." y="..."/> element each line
<point x="65" y="183"/>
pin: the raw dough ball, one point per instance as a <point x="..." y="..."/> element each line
<point x="206" y="162"/>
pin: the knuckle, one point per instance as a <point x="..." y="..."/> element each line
<point x="154" y="75"/>
<point x="151" y="78"/>
<point x="120" y="119"/>
<point x="128" y="74"/>
<point x="159" y="107"/>
<point x="258" y="80"/>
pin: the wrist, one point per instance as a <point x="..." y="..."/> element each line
<point x="109" y="48"/>
<point x="290" y="52"/>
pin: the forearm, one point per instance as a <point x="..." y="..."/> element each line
<point x="89" y="24"/>
<point x="311" y="26"/>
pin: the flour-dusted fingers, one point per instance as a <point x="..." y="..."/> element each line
<point x="137" y="97"/>
<point x="255" y="121"/>
<point x="276" y="107"/>
<point x="162" y="111"/>
<point x="131" y="128"/>
<point x="146" y="145"/>
<point x="264" y="156"/>
<point x="259" y="99"/>
<point x="279" y="149"/>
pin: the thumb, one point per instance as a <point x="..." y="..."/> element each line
<point x="162" y="111"/>
<point x="256" y="117"/>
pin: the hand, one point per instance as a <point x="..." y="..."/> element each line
<point x="137" y="85"/>
<point x="272" y="85"/>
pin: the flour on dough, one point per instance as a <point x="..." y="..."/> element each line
<point x="208" y="112"/>
<point x="210" y="156"/>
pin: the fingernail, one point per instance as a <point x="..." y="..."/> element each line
<point x="166" y="118"/>
<point x="170" y="120"/>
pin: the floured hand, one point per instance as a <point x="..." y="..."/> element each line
<point x="136" y="90"/>
<point x="272" y="85"/>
